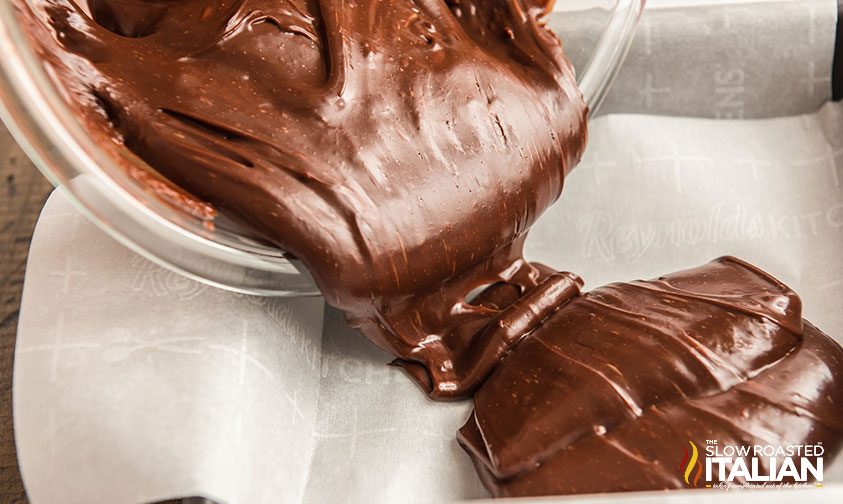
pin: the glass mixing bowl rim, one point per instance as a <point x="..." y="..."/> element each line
<point x="51" y="136"/>
<point x="25" y="76"/>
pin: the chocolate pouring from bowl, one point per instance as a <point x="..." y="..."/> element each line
<point x="90" y="177"/>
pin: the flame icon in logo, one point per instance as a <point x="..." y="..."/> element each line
<point x="691" y="461"/>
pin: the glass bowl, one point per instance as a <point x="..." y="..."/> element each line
<point x="223" y="257"/>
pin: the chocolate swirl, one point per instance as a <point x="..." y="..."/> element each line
<point x="606" y="394"/>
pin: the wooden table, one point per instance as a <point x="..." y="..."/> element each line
<point x="23" y="191"/>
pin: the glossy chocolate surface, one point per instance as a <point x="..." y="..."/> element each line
<point x="401" y="149"/>
<point x="607" y="393"/>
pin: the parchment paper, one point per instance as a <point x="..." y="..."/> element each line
<point x="727" y="59"/>
<point x="133" y="384"/>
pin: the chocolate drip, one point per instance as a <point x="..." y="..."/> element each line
<point x="606" y="394"/>
<point x="400" y="149"/>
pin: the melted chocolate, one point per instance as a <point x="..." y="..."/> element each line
<point x="606" y="394"/>
<point x="400" y="149"/>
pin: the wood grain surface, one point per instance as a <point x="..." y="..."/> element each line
<point x="23" y="192"/>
